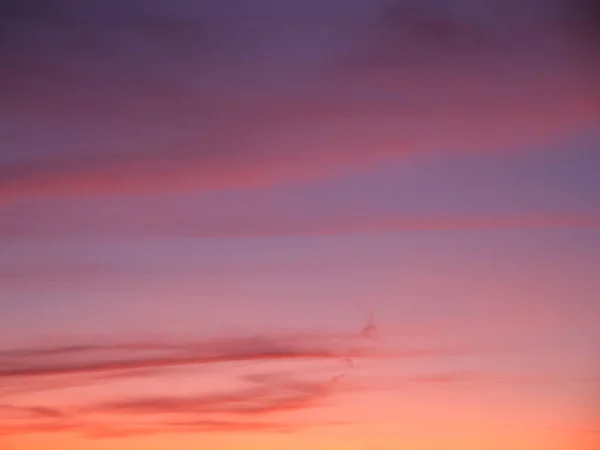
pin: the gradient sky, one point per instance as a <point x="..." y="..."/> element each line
<point x="329" y="224"/>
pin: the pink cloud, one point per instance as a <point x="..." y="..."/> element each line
<point x="255" y="406"/>
<point x="261" y="396"/>
<point x="133" y="357"/>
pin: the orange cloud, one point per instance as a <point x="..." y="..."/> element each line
<point x="263" y="396"/>
<point x="190" y="414"/>
<point x="272" y="395"/>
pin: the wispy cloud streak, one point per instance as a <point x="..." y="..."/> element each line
<point x="133" y="357"/>
<point x="208" y="413"/>
<point x="261" y="396"/>
<point x="254" y="406"/>
<point x="182" y="224"/>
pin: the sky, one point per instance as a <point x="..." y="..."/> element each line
<point x="329" y="224"/>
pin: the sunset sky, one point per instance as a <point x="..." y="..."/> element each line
<point x="281" y="224"/>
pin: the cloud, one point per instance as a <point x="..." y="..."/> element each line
<point x="466" y="378"/>
<point x="135" y="357"/>
<point x="260" y="400"/>
<point x="272" y="395"/>
<point x="258" y="406"/>
<point x="35" y="428"/>
<point x="31" y="353"/>
<point x="254" y="406"/>
<point x="181" y="222"/>
<point x="189" y="427"/>
<point x="162" y="96"/>
<point x="29" y="412"/>
<point x="243" y="352"/>
<point x="222" y="412"/>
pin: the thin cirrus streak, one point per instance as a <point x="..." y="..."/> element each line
<point x="189" y="414"/>
<point x="108" y="431"/>
<point x="119" y="357"/>
<point x="253" y="350"/>
<point x="256" y="405"/>
<point x="464" y="378"/>
<point x="263" y="395"/>
<point x="145" y="223"/>
<point x="274" y="395"/>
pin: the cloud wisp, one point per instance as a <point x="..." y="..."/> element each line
<point x="252" y="408"/>
<point x="246" y="409"/>
<point x="259" y="403"/>
<point x="260" y="400"/>
<point x="130" y="356"/>
<point x="149" y="223"/>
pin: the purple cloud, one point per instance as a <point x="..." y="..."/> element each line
<point x="130" y="96"/>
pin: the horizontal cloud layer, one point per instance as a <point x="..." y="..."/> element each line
<point x="132" y="96"/>
<point x="150" y="223"/>
<point x="74" y="360"/>
<point x="261" y="399"/>
<point x="253" y="406"/>
<point x="209" y="413"/>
